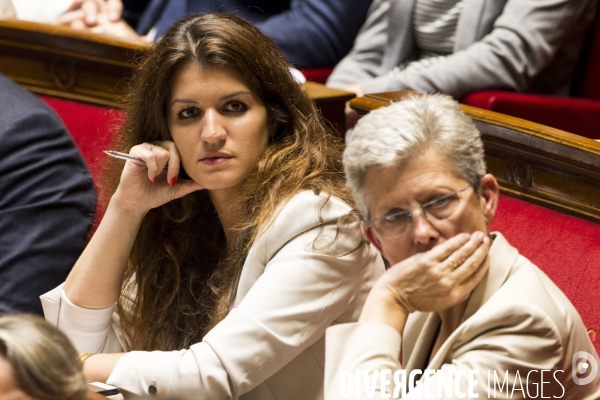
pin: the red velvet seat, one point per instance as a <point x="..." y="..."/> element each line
<point x="318" y="75"/>
<point x="92" y="128"/>
<point x="566" y="248"/>
<point x="574" y="115"/>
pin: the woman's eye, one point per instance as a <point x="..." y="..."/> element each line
<point x="235" y="106"/>
<point x="394" y="217"/>
<point x="188" y="113"/>
<point x="440" y="202"/>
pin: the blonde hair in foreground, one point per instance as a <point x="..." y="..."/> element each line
<point x="43" y="360"/>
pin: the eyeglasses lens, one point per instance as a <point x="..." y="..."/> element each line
<point x="397" y="223"/>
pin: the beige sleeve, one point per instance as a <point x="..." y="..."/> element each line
<point x="363" y="347"/>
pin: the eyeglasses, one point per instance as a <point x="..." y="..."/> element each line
<point x="397" y="223"/>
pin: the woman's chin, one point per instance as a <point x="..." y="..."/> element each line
<point x="217" y="186"/>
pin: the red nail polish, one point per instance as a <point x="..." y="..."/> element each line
<point x="153" y="179"/>
<point x="172" y="181"/>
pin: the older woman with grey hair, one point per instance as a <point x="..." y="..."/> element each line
<point x="459" y="313"/>
<point x="37" y="361"/>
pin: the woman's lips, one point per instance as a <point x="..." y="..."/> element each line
<point x="211" y="159"/>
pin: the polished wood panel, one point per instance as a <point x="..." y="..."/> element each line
<point x="93" y="68"/>
<point x="66" y="63"/>
<point x="533" y="162"/>
<point x="331" y="102"/>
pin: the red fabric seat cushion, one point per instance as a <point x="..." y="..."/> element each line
<point x="318" y="75"/>
<point x="566" y="248"/>
<point x="573" y="115"/>
<point x="92" y="128"/>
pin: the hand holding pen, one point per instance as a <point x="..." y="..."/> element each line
<point x="140" y="161"/>
<point x="154" y="161"/>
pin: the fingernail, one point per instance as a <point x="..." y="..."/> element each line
<point x="464" y="236"/>
<point x="479" y="235"/>
<point x="173" y="181"/>
<point x="153" y="179"/>
<point x="114" y="16"/>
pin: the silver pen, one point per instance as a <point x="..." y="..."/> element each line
<point x="125" y="156"/>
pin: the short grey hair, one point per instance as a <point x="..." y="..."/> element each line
<point x="43" y="360"/>
<point x="390" y="136"/>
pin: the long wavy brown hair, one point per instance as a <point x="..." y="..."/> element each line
<point x="183" y="282"/>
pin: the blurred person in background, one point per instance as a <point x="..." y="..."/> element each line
<point x="461" y="46"/>
<point x="310" y="33"/>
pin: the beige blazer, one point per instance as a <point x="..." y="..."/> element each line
<point x="271" y="345"/>
<point x="516" y="320"/>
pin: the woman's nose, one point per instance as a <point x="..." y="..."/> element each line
<point x="424" y="231"/>
<point x="212" y="128"/>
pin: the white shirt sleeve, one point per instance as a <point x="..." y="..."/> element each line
<point x="86" y="328"/>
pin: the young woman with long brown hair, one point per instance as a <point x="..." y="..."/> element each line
<point x="233" y="274"/>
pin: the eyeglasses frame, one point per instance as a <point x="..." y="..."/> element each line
<point x="371" y="222"/>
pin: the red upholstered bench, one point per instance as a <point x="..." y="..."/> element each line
<point x="318" y="75"/>
<point x="575" y="115"/>
<point x="92" y="128"/>
<point x="566" y="248"/>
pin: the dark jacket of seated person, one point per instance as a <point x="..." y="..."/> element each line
<point x="310" y="33"/>
<point x="47" y="200"/>
<point x="460" y="313"/>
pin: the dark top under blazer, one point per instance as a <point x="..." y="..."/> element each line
<point x="47" y="200"/>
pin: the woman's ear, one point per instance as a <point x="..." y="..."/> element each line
<point x="490" y="193"/>
<point x="371" y="237"/>
<point x="273" y="126"/>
